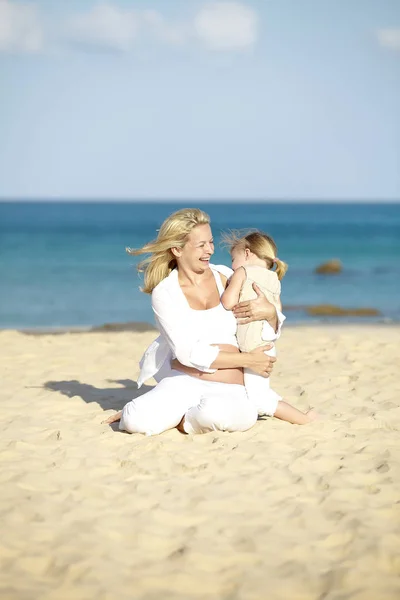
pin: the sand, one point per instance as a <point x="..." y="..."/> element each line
<point x="278" y="512"/>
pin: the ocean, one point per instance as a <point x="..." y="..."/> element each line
<point x="63" y="264"/>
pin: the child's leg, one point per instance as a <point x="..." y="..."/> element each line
<point x="270" y="403"/>
<point x="289" y="413"/>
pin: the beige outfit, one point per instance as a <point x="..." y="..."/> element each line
<point x="249" y="336"/>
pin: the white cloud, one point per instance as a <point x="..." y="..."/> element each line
<point x="389" y="38"/>
<point x="112" y="27"/>
<point x="226" y="26"/>
<point x="218" y="26"/>
<point x="106" y="26"/>
<point x="20" y="28"/>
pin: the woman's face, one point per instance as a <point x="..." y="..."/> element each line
<point x="196" y="253"/>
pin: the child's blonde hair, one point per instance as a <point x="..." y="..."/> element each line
<point x="173" y="233"/>
<point x="260" y="244"/>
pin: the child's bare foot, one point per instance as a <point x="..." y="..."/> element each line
<point x="312" y="415"/>
<point x="113" y="418"/>
<point x="287" y="412"/>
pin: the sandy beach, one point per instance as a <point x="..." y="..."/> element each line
<point x="278" y="512"/>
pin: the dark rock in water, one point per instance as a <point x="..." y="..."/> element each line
<point x="331" y="267"/>
<point x="329" y="310"/>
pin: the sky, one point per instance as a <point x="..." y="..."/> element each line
<point x="197" y="99"/>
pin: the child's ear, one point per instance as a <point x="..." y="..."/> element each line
<point x="247" y="254"/>
<point x="177" y="252"/>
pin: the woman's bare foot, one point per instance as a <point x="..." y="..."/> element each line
<point x="180" y="425"/>
<point x="113" y="418"/>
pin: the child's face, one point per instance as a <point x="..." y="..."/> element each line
<point x="238" y="258"/>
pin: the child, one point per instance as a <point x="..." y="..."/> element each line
<point x="253" y="257"/>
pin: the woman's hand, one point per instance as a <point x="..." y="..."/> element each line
<point x="261" y="363"/>
<point x="259" y="309"/>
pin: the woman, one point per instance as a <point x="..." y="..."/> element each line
<point x="204" y="390"/>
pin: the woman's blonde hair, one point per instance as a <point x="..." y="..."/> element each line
<point x="173" y="233"/>
<point x="260" y="244"/>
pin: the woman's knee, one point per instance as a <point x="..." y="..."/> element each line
<point x="132" y="420"/>
<point x="220" y="416"/>
<point x="154" y="412"/>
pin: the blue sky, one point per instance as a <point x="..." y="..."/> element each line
<point x="189" y="99"/>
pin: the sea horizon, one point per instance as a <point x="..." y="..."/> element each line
<point x="238" y="200"/>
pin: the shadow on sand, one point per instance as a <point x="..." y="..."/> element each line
<point x="107" y="398"/>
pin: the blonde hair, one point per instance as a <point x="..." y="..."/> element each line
<point x="173" y="233"/>
<point x="260" y="244"/>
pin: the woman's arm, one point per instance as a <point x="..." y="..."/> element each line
<point x="231" y="295"/>
<point x="256" y="360"/>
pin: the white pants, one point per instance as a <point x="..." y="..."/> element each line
<point x="206" y="405"/>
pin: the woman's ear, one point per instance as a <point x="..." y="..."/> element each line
<point x="177" y="252"/>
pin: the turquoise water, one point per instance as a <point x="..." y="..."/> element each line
<point x="64" y="264"/>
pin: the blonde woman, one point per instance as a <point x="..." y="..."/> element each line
<point x="196" y="359"/>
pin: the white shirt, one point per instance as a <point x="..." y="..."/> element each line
<point x="173" y="315"/>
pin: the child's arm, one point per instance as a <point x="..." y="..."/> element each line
<point x="230" y="297"/>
